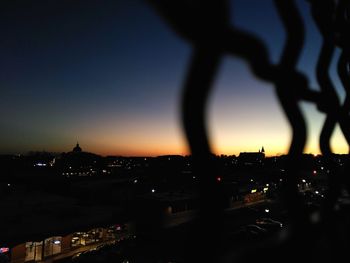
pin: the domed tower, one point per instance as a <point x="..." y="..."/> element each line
<point x="77" y="148"/>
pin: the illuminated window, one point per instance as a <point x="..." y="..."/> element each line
<point x="86" y="238"/>
<point x="33" y="251"/>
<point x="52" y="246"/>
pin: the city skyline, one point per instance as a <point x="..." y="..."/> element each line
<point x="86" y="149"/>
<point x="96" y="74"/>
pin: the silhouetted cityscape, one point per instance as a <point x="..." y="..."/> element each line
<point x="69" y="206"/>
<point x="174" y="131"/>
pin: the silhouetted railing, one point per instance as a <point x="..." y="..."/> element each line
<point x="206" y="25"/>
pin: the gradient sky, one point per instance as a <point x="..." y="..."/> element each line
<point x="109" y="73"/>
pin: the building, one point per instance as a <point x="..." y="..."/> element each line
<point x="80" y="163"/>
<point x="165" y="209"/>
<point x="77" y="148"/>
<point x="252" y="158"/>
<point x="58" y="247"/>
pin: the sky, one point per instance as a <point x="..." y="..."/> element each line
<point x="109" y="74"/>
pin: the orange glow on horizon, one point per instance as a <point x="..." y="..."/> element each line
<point x="182" y="150"/>
<point x="224" y="142"/>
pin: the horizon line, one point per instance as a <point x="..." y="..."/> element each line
<point x="157" y="155"/>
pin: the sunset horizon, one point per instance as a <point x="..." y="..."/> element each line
<point x="100" y="86"/>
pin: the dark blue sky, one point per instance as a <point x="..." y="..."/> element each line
<point x="109" y="74"/>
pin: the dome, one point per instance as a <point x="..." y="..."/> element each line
<point x="77" y="148"/>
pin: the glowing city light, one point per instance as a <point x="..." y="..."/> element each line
<point x="4" y="249"/>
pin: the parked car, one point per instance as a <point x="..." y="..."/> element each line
<point x="269" y="223"/>
<point x="255" y="229"/>
<point x="247" y="233"/>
